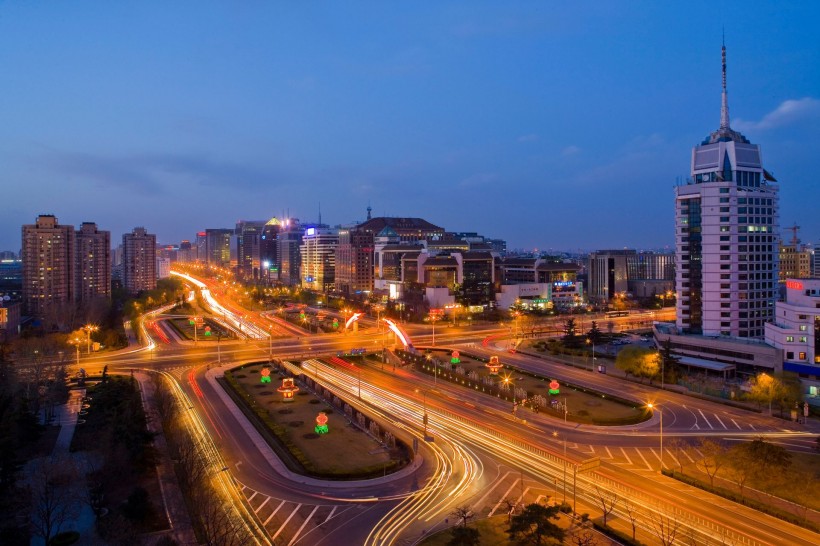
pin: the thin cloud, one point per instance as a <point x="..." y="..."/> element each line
<point x="788" y="112"/>
<point x="528" y="138"/>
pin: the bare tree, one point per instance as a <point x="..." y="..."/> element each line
<point x="219" y="524"/>
<point x="606" y="500"/>
<point x="712" y="459"/>
<point x="463" y="514"/>
<point x="509" y="507"/>
<point x="678" y="447"/>
<point x="632" y="515"/>
<point x="583" y="537"/>
<point x="53" y="496"/>
<point x="665" y="528"/>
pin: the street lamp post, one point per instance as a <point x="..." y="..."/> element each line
<point x="653" y="407"/>
<point x="424" y="414"/>
<point x="88" y="329"/>
<point x="564" y="437"/>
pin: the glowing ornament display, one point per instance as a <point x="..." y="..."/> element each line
<point x="554" y="387"/>
<point x="288" y="389"/>
<point x="454" y="359"/>
<point x="494" y="365"/>
<point x="265" y="375"/>
<point x="321" y="423"/>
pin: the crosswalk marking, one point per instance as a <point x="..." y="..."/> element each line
<point x="628" y="460"/>
<point x="608" y="451"/>
<point x="270" y="517"/>
<point x="252" y="496"/>
<point x="261" y="505"/>
<point x="705" y="419"/>
<point x="506" y="493"/>
<point x="285" y="524"/>
<point x="299" y="532"/>
<point x="644" y="459"/>
<point x="487" y="494"/>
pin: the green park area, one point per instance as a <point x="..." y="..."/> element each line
<point x="540" y="394"/>
<point x="344" y="451"/>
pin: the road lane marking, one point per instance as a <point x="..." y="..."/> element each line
<point x="719" y="421"/>
<point x="628" y="460"/>
<point x="644" y="459"/>
<point x="523" y="495"/>
<point x="264" y="502"/>
<point x="738" y="426"/>
<point x="299" y="532"/>
<point x="270" y="517"/>
<point x="330" y="515"/>
<point x="506" y="493"/>
<point x="252" y="496"/>
<point x="705" y="419"/>
<point x="608" y="451"/>
<point x="497" y="483"/>
<point x="285" y="524"/>
<point x="753" y="427"/>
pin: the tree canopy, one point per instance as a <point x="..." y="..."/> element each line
<point x="533" y="526"/>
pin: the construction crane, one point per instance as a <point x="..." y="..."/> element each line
<point x="794" y="229"/>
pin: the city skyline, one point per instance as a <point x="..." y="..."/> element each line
<point x="154" y="116"/>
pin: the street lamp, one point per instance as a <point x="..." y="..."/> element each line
<point x="424" y="415"/>
<point x="592" y="341"/>
<point x="434" y="316"/>
<point x="429" y="358"/>
<point x="564" y="437"/>
<point x="88" y="329"/>
<point x="653" y="407"/>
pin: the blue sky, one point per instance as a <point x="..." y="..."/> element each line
<point x="560" y="125"/>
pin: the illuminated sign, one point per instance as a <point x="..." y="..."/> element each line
<point x="310" y="231"/>
<point x="794" y="285"/>
<point x="321" y="423"/>
<point x="563" y="283"/>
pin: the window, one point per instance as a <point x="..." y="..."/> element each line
<point x="724" y="218"/>
<point x="789" y="355"/>
<point x="802" y="339"/>
<point x="801" y="356"/>
<point x="789" y="339"/>
<point x="724" y="190"/>
<point x="724" y="209"/>
<point x="803" y="327"/>
<point x="724" y="199"/>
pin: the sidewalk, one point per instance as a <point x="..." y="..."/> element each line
<point x="175" y="509"/>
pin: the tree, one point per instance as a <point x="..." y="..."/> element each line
<point x="631" y="511"/>
<point x="670" y="362"/>
<point x="712" y="459"/>
<point x="638" y="362"/>
<point x="570" y="331"/>
<point x="764" y="389"/>
<point x="594" y="333"/>
<point x="533" y="526"/>
<point x="606" y="500"/>
<point x="463" y="514"/>
<point x="509" y="507"/>
<point x="53" y="496"/>
<point x="756" y="459"/>
<point x="464" y="536"/>
<point x="665" y="528"/>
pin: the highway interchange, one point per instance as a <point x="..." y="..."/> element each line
<point x="480" y="454"/>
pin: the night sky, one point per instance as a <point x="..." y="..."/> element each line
<point x="553" y="125"/>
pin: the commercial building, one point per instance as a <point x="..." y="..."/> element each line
<point x="288" y="245"/>
<point x="139" y="260"/>
<point x="218" y="247"/>
<point x="318" y="254"/>
<point x="607" y="275"/>
<point x="354" y="261"/>
<point x="795" y="331"/>
<point x="48" y="254"/>
<point x="11" y="278"/>
<point x="249" y="257"/>
<point x="186" y="252"/>
<point x="795" y="261"/>
<point x="726" y="235"/>
<point x="270" y="262"/>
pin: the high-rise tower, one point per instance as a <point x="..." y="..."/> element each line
<point x="726" y="236"/>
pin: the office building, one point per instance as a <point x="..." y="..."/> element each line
<point x="218" y="247"/>
<point x="269" y="252"/>
<point x="318" y="255"/>
<point x="139" y="260"/>
<point x="354" y="261"/>
<point x="288" y="244"/>
<point x="726" y="225"/>
<point x="248" y="237"/>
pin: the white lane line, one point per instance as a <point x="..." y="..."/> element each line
<point x="608" y="451"/>
<point x="285" y="524"/>
<point x="261" y="505"/>
<point x="299" y="532"/>
<point x="270" y="517"/>
<point x="644" y="459"/>
<point x="330" y="515"/>
<point x="628" y="460"/>
<point x="705" y="419"/>
<point x="523" y="495"/>
<point x="538" y="499"/>
<point x="686" y="452"/>
<point x="506" y="495"/>
<point x="719" y="421"/>
<point x="738" y="426"/>
<point x="252" y="496"/>
<point x="487" y="494"/>
<point x="753" y="427"/>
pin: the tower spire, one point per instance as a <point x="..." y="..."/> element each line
<point x="724" y="105"/>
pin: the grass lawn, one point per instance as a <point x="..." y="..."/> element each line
<point x="345" y="449"/>
<point x="583" y="406"/>
<point x="493" y="532"/>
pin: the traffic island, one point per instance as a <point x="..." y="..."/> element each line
<point x="315" y="433"/>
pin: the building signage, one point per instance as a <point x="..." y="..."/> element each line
<point x="563" y="283"/>
<point x="794" y="285"/>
